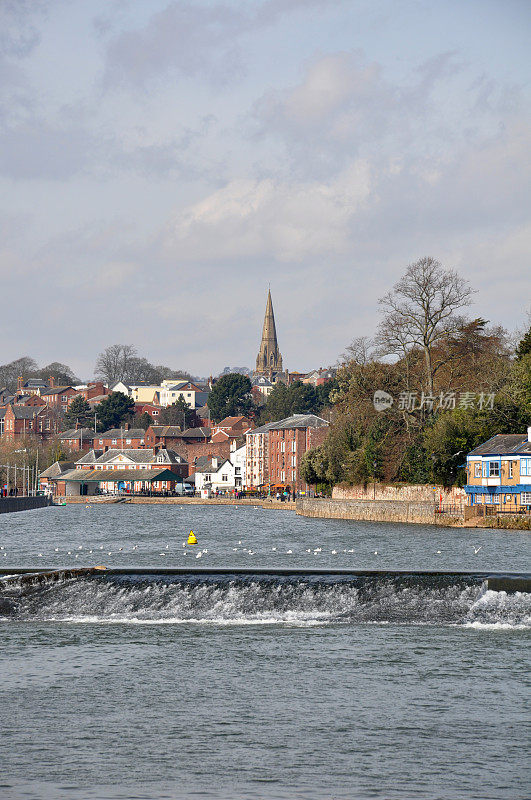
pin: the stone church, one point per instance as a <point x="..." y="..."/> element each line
<point x="269" y="358"/>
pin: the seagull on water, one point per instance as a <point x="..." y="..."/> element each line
<point x="438" y="553"/>
<point x="477" y="549"/>
<point x="376" y="552"/>
<point x="198" y="555"/>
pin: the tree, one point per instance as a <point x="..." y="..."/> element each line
<point x="179" y="413"/>
<point x="114" y="410"/>
<point x="230" y="396"/>
<point x="421" y="311"/>
<point x="79" y="413"/>
<point x="144" y="421"/>
<point x="62" y="373"/>
<point x="9" y="373"/>
<point x="524" y="346"/>
<point x="114" y="363"/>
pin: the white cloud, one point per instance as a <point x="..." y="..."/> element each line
<point x="269" y="219"/>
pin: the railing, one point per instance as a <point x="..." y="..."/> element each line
<point x="447" y="508"/>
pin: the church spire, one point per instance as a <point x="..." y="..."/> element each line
<point x="269" y="360"/>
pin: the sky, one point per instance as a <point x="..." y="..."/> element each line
<point x="162" y="163"/>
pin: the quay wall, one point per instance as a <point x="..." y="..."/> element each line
<point x="190" y="501"/>
<point x="11" y="504"/>
<point x="373" y="510"/>
<point x="423" y="493"/>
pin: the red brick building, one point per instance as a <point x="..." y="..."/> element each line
<point x="20" y="421"/>
<point x="124" y="437"/>
<point x="289" y="440"/>
<point x="78" y="439"/>
<point x="59" y="397"/>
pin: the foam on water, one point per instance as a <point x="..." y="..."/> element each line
<point x="257" y="601"/>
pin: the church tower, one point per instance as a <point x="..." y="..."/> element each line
<point x="269" y="360"/>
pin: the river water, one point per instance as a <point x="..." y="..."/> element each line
<point x="164" y="687"/>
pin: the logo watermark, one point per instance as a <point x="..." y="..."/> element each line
<point x="444" y="401"/>
<point x="382" y="400"/>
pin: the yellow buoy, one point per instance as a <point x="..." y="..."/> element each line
<point x="192" y="539"/>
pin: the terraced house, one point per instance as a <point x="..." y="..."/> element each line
<point x="499" y="473"/>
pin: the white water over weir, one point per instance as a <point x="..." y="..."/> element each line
<point x="266" y="596"/>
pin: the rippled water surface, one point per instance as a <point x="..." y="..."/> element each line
<point x="162" y="687"/>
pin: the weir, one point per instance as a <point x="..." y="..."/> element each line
<point x="496" y="581"/>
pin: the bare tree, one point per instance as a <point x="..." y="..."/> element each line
<point x="421" y="312"/>
<point x="114" y="363"/>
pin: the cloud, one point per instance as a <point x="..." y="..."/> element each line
<point x="270" y="219"/>
<point x="189" y="38"/>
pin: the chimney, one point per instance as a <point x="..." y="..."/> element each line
<point x="529" y="433"/>
<point x="51" y="381"/>
<point x="20" y="381"/>
<point x="127" y="426"/>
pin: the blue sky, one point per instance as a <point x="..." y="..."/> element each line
<point x="161" y="162"/>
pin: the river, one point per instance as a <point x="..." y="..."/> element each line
<point x="160" y="687"/>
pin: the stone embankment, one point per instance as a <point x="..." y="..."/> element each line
<point x="10" y="504"/>
<point x="372" y="510"/>
<point x="100" y="500"/>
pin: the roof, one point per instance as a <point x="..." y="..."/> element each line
<point x="203" y="412"/>
<point x="205" y="464"/>
<point x="56" y="390"/>
<point x="90" y="457"/>
<point x="138" y="455"/>
<point x="175" y="387"/>
<point x="166" y="430"/>
<point x="119" y="433"/>
<point x="196" y="433"/>
<point x="504" y="444"/>
<point x="262" y="428"/>
<point x="230" y="422"/>
<point x="35" y="383"/>
<point x="23" y="412"/>
<point x="300" y="421"/>
<point x="117" y="475"/>
<point x="75" y="433"/>
<point x="56" y="469"/>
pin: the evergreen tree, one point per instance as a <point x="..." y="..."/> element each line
<point x="230" y="397"/>
<point x="79" y="413"/>
<point x="524" y="346"/>
<point x="114" y="410"/>
<point x="179" y="413"/>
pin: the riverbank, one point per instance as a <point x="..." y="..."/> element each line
<point x="101" y="500"/>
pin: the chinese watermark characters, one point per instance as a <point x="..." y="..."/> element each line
<point x="444" y="401"/>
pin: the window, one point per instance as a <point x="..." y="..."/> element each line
<point x="128" y="441"/>
<point x="101" y="441"/>
<point x="114" y="441"/>
<point x="494" y="469"/>
<point x="526" y="498"/>
<point x="477" y="469"/>
<point x="525" y="466"/>
<point x="511" y="466"/>
<point x="224" y="477"/>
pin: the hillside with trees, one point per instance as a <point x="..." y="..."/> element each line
<point x="452" y="382"/>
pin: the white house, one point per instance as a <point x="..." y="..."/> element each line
<point x="238" y="460"/>
<point x="214" y="475"/>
